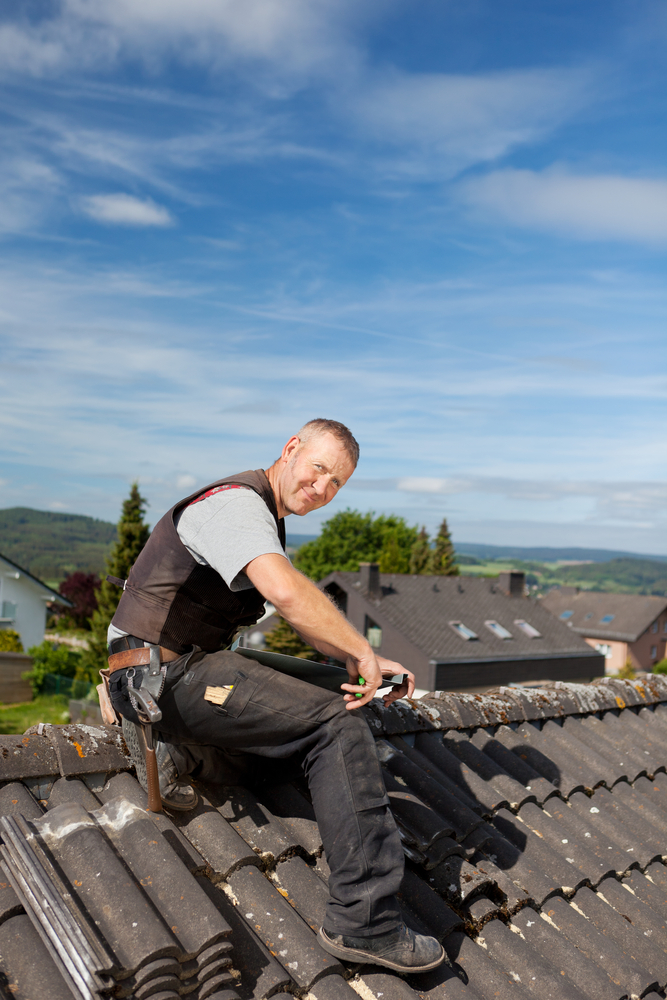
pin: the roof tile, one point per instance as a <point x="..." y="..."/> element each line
<point x="281" y="929"/>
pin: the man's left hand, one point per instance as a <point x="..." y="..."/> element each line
<point x="389" y="668"/>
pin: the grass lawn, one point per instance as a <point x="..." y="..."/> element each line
<point x="44" y="708"/>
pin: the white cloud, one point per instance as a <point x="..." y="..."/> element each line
<point x="446" y="121"/>
<point x="294" y="36"/>
<point x="588" y="207"/>
<point x="185" y="481"/>
<point x="126" y="210"/>
<point x="628" y="501"/>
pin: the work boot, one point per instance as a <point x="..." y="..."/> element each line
<point x="175" y="794"/>
<point x="402" y="950"/>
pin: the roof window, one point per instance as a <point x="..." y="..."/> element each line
<point x="565" y="615"/>
<point x="463" y="631"/>
<point x="528" y="629"/>
<point x="498" y="630"/>
<point x="606" y="619"/>
<point x="588" y="616"/>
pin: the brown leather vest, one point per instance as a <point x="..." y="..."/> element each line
<point x="172" y="600"/>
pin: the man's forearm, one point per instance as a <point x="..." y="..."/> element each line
<point x="307" y="609"/>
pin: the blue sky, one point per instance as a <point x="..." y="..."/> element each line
<point x="444" y="224"/>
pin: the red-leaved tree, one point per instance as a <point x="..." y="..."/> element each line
<point x="81" y="589"/>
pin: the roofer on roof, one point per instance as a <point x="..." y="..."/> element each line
<point x="208" y="567"/>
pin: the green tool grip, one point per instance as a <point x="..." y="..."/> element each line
<point x="362" y="682"/>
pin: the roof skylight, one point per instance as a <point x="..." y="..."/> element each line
<point x="565" y="615"/>
<point x="498" y="630"/>
<point x="463" y="631"/>
<point x="528" y="629"/>
<point x="605" y="619"/>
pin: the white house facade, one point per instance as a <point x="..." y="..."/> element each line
<point x="23" y="600"/>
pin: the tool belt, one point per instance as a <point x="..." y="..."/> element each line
<point x="139" y="657"/>
<point x="150" y="660"/>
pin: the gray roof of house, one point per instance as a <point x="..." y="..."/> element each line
<point x="532" y="819"/>
<point x="421" y="607"/>
<point x="633" y="613"/>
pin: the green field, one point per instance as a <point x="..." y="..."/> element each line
<point x="52" y="708"/>
<point x="627" y="575"/>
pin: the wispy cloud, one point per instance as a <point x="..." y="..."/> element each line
<point x="445" y="122"/>
<point x="597" y="207"/>
<point x="125" y="210"/>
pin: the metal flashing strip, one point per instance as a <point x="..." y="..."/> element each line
<point x="58" y="920"/>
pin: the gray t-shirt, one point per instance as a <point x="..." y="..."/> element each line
<point x="226" y="531"/>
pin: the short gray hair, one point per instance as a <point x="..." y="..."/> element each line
<point x="342" y="433"/>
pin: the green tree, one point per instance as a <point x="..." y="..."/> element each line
<point x="351" y="537"/>
<point x="10" y="641"/>
<point x="421" y="554"/>
<point x="394" y="557"/>
<point x="51" y="658"/>
<point x="283" y="639"/>
<point x="444" y="557"/>
<point x="132" y="536"/>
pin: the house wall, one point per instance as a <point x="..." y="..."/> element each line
<point x="483" y="675"/>
<point x="12" y="688"/>
<point x="615" y="656"/>
<point x="29" y="619"/>
<point x="638" y="652"/>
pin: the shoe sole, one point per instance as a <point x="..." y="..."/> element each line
<point x="366" y="958"/>
<point x="135" y="747"/>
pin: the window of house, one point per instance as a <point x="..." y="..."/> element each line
<point x="664" y="627"/>
<point x="654" y="652"/>
<point x="588" y="616"/>
<point x="528" y="629"/>
<point x="604" y="648"/>
<point x="654" y="627"/>
<point x="8" y="611"/>
<point x="565" y="615"/>
<point x="606" y="619"/>
<point x="498" y="630"/>
<point x="373" y="632"/>
<point x="463" y="631"/>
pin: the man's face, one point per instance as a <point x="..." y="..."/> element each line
<point x="312" y="473"/>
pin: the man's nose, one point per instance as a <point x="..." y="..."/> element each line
<point x="321" y="484"/>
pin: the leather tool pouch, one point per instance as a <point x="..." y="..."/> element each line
<point x="109" y="715"/>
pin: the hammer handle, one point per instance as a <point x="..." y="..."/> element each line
<point x="153" y="782"/>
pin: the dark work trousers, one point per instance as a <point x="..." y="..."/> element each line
<point x="273" y="715"/>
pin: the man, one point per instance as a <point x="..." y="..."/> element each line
<point x="209" y="565"/>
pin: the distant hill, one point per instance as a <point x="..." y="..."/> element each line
<point x="51" y="545"/>
<point x="625" y="576"/>
<point x="546" y="554"/>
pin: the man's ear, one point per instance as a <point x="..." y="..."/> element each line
<point x="290" y="448"/>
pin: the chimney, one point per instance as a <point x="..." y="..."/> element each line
<point x="369" y="577"/>
<point x="512" y="583"/>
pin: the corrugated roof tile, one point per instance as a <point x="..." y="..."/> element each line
<point x="591" y="979"/>
<point x="529" y="967"/>
<point x="618" y="962"/>
<point x="281" y="929"/>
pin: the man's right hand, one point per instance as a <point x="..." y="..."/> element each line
<point x="368" y="668"/>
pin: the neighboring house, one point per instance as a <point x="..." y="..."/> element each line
<point x="461" y="632"/>
<point x="23" y="600"/>
<point x="619" y="626"/>
<point x="533" y="820"/>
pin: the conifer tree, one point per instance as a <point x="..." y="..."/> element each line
<point x="444" y="556"/>
<point x="394" y="557"/>
<point x="132" y="536"/>
<point x="421" y="554"/>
